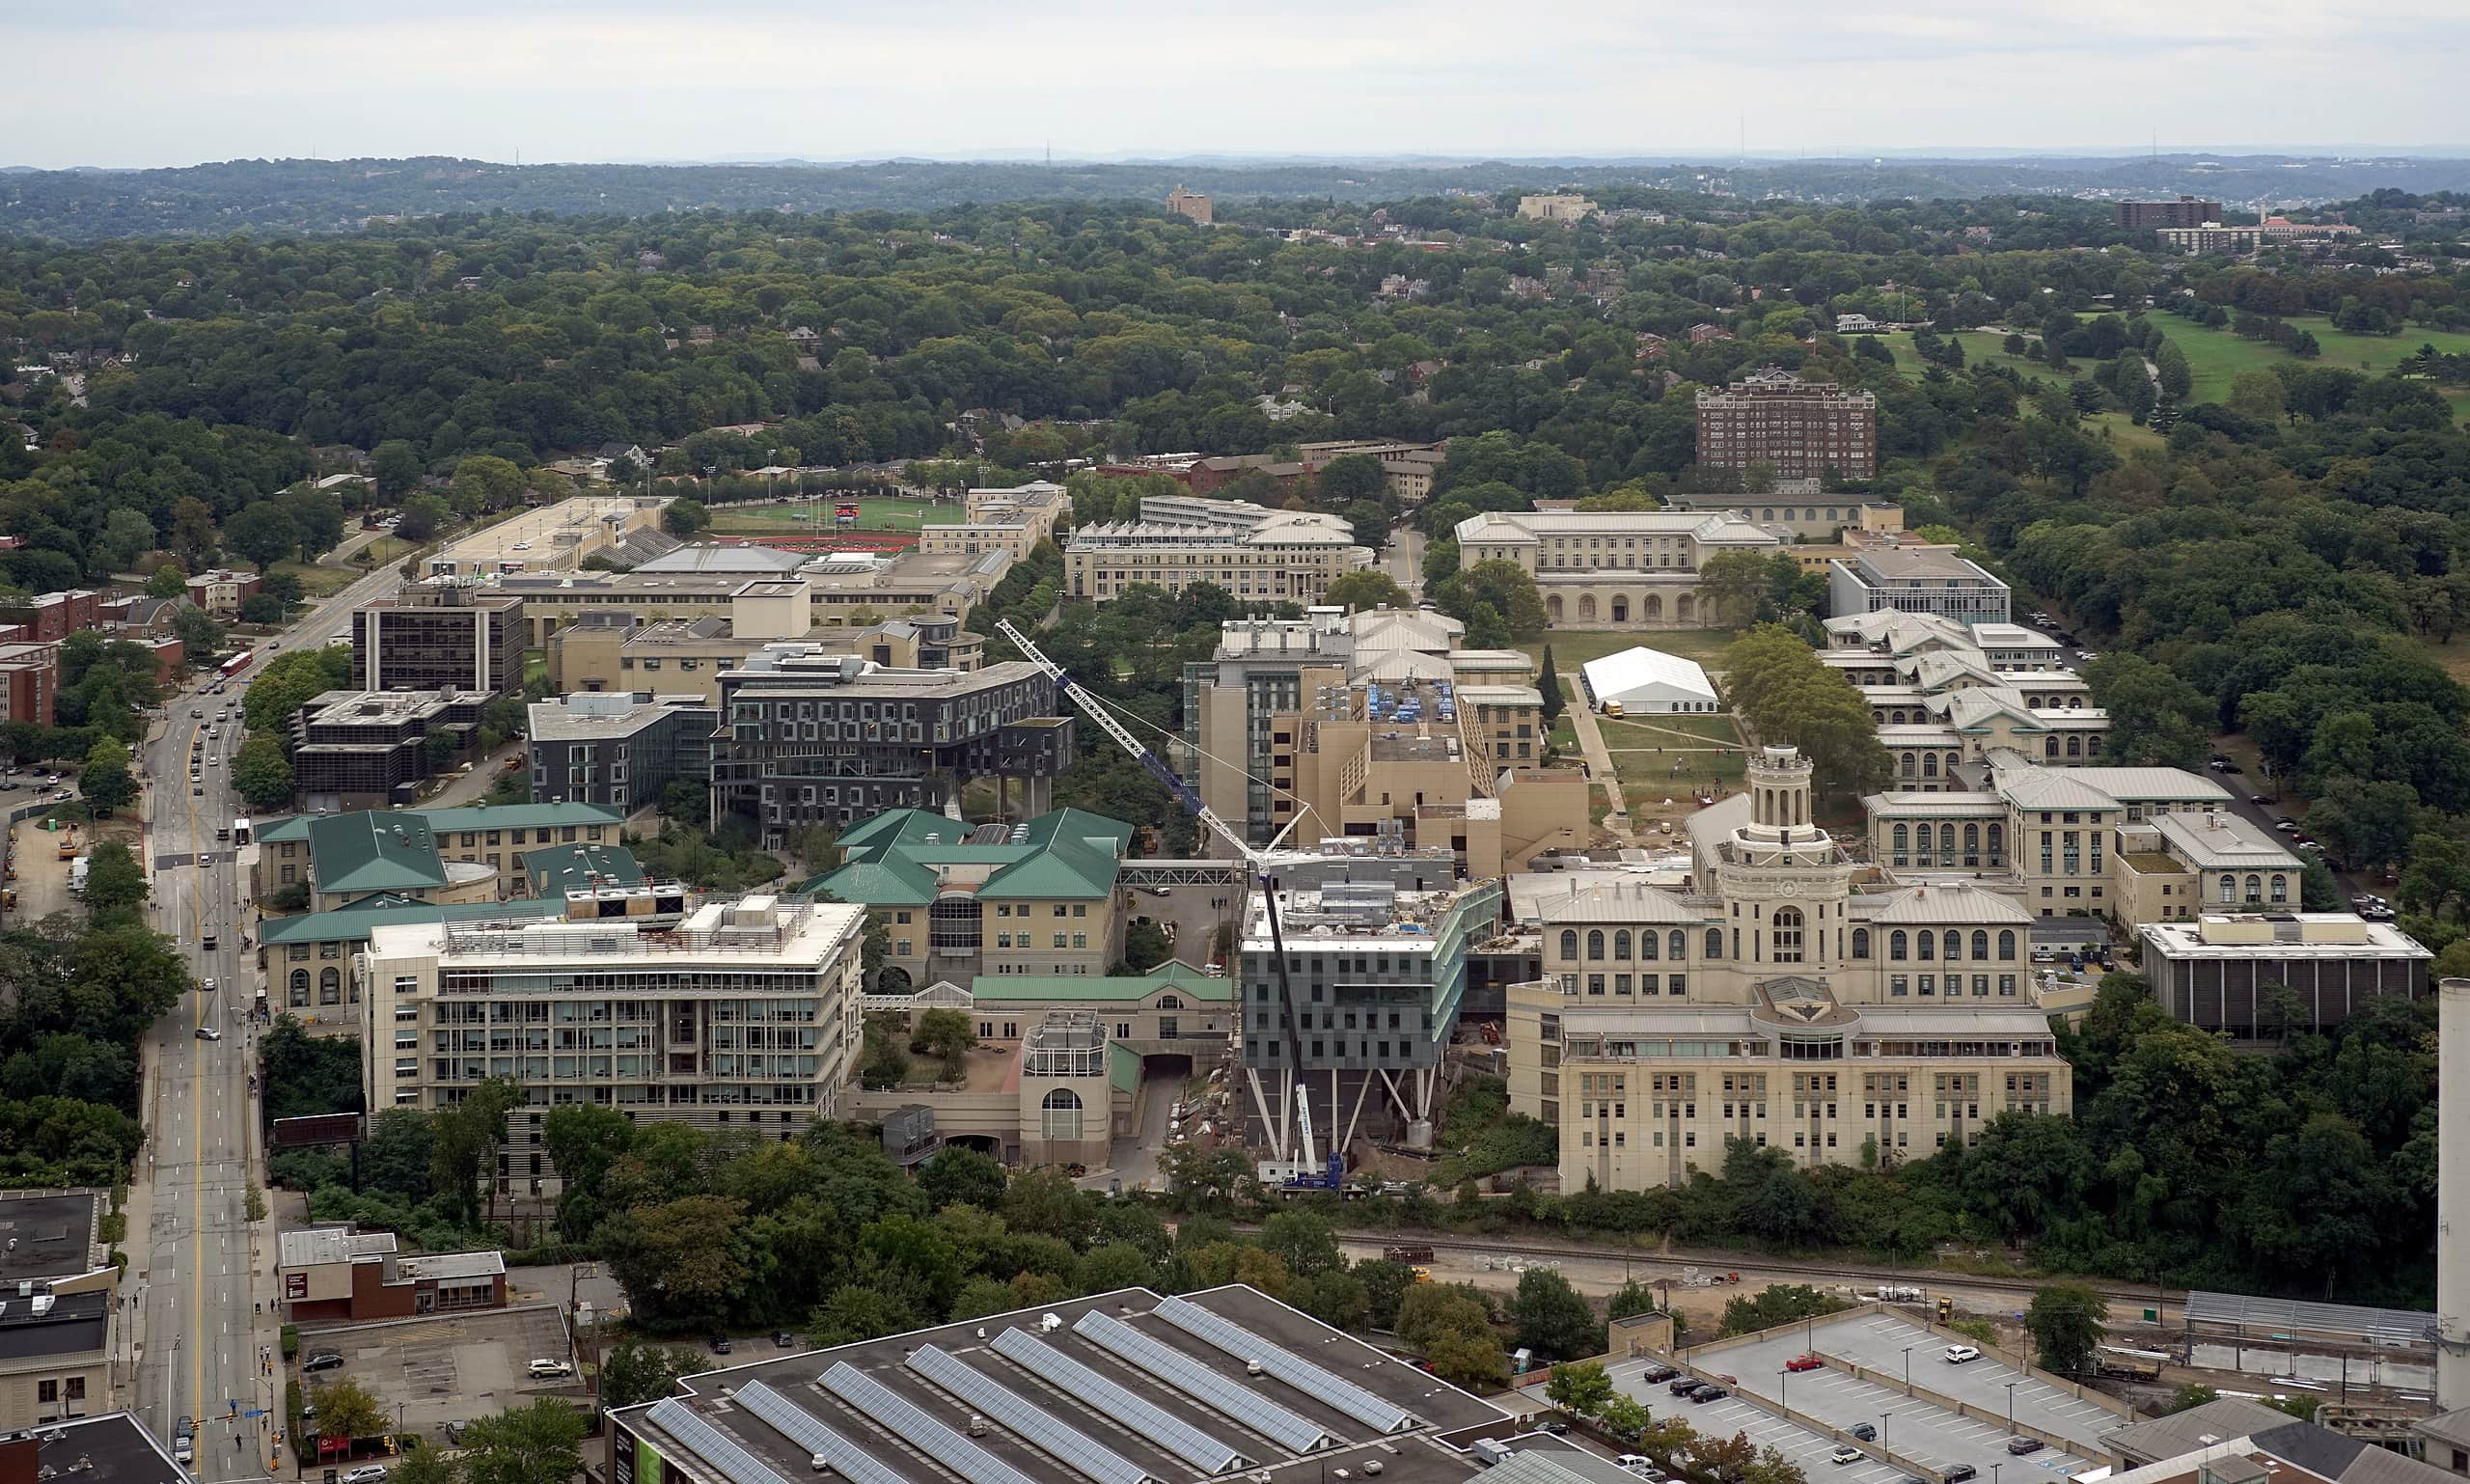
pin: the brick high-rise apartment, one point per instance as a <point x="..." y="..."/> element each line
<point x="2185" y="211"/>
<point x="1801" y="429"/>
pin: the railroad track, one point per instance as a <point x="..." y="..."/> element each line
<point x="1763" y="1267"/>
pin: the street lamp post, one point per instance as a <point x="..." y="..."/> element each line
<point x="1783" y="1385"/>
<point x="1907" y="1370"/>
<point x="2011" y="1409"/>
<point x="1883" y="1430"/>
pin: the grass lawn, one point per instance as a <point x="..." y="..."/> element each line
<point x="319" y="581"/>
<point x="2123" y="433"/>
<point x="1572" y="648"/>
<point x="873" y="515"/>
<point x="1658" y="731"/>
<point x="1647" y="759"/>
<point x="1981" y="349"/>
<point x="2216" y="356"/>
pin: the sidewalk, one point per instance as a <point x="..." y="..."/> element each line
<point x="1599" y="763"/>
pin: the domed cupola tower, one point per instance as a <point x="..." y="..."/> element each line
<point x="1784" y="880"/>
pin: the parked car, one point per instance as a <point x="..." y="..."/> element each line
<point x="1639" y="1464"/>
<point x="783" y="1339"/>
<point x="1709" y="1392"/>
<point x="2021" y="1445"/>
<point x="208" y="1033"/>
<point x="720" y="1344"/>
<point x="321" y="1359"/>
<point x="1847" y="1454"/>
<point x="542" y="1369"/>
<point x="365" y="1474"/>
<point x="2260" y="800"/>
<point x="1958" y="1355"/>
<point x="1803" y="1363"/>
<point x="1959" y="1474"/>
<point x="1557" y="1427"/>
<point x="183" y="1442"/>
<point x="1863" y="1431"/>
<point x="1658" y="1373"/>
<point x="1683" y="1386"/>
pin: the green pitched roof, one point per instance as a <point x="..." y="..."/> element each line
<point x="1183" y="978"/>
<point x="354" y="923"/>
<point x="516" y="816"/>
<point x="554" y="870"/>
<point x="373" y="852"/>
<point x="895" y="825"/>
<point x="1123" y="1068"/>
<point x="890" y="882"/>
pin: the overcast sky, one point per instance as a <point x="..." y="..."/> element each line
<point x="174" y="82"/>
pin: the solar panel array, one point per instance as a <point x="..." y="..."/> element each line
<point x="912" y="1423"/>
<point x="1025" y="1417"/>
<point x="1286" y="1366"/>
<point x="804" y="1428"/>
<point x="717" y="1449"/>
<point x="1288" y="1430"/>
<point x="1074" y="1379"/>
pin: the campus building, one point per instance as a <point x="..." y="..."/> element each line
<point x="1772" y="1001"/>
<point x="1615" y="568"/>
<point x="732" y="1016"/>
<point x="967" y="901"/>
<point x="1368" y="727"/>
<point x="2185" y="211"/>
<point x="1943" y="694"/>
<point x="340" y="1274"/>
<point x="441" y="635"/>
<point x="618" y="749"/>
<point x="1256" y="554"/>
<point x="811" y="737"/>
<point x="1801" y="430"/>
<point x="1355" y="1019"/>
<point x="369" y="749"/>
<point x="553" y="539"/>
<point x="1905" y="580"/>
<point x="472" y="854"/>
<point x="2261" y="975"/>
<point x="613" y="649"/>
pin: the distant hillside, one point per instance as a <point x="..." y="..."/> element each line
<point x="341" y="195"/>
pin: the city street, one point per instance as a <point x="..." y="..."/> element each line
<point x="201" y="1275"/>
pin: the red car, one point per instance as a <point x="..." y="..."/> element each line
<point x="1803" y="1363"/>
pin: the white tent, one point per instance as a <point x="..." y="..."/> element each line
<point x="1649" y="682"/>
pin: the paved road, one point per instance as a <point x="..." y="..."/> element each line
<point x="1403" y="558"/>
<point x="1598" y="762"/>
<point x="201" y="1273"/>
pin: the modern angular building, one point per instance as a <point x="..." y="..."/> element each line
<point x="2185" y="211"/>
<point x="1894" y="579"/>
<point x="2228" y="972"/>
<point x="1358" y="1019"/>
<point x="618" y="749"/>
<point x="734" y="1016"/>
<point x="369" y="749"/>
<point x="807" y="736"/>
<point x="1774" y="1003"/>
<point x="1801" y="430"/>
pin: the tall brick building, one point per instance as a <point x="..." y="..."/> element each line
<point x="439" y="635"/>
<point x="1802" y="429"/>
<point x="2185" y="211"/>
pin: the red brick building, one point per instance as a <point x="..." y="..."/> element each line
<point x="1802" y="429"/>
<point x="53" y="616"/>
<point x="29" y="682"/>
<point x="338" y="1272"/>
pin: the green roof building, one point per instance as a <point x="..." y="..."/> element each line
<point x="465" y="855"/>
<point x="306" y="958"/>
<point x="964" y="902"/>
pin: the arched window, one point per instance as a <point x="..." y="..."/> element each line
<point x="1569" y="943"/>
<point x="1927" y="942"/>
<point x="1979" y="945"/>
<point x="1621" y="943"/>
<point x="1954" y="946"/>
<point x="2281" y="889"/>
<point x="1922" y="835"/>
<point x="1929" y="764"/>
<point x="1586" y="606"/>
<point x="1903" y="765"/>
<point x="1647" y="942"/>
<point x="1060" y="1113"/>
<point x="330" y="987"/>
<point x="1788" y="935"/>
<point x="2255" y="890"/>
<point x="1620" y="610"/>
<point x="2074" y="745"/>
<point x="300" y="987"/>
<point x="1595" y="943"/>
<point x="1998" y="843"/>
<point x="1650" y="608"/>
<point x="1170" y="1001"/>
<point x="1678" y="945"/>
<point x="1686" y="605"/>
<point x="2007" y="946"/>
<point x="2049" y="747"/>
<point x="1714" y="943"/>
<point x="1552" y="608"/>
<point x="1897" y="948"/>
<point x="1972" y="844"/>
<point x="1860" y="942"/>
<point x="2229" y="888"/>
<point x="1902" y="840"/>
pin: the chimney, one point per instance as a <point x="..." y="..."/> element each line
<point x="2453" y="1196"/>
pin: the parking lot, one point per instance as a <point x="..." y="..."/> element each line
<point x="1807" y="1450"/>
<point x="447" y="1368"/>
<point x="1929" y="1435"/>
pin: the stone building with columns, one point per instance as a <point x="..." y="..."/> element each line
<point x="1615" y="568"/>
<point x="1775" y="999"/>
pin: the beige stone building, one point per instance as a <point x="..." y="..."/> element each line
<point x="1770" y="1002"/>
<point x="1190" y="204"/>
<point x="1366" y="726"/>
<point x="613" y="650"/>
<point x="1616" y="569"/>
<point x="1257" y="554"/>
<point x="1562" y="208"/>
